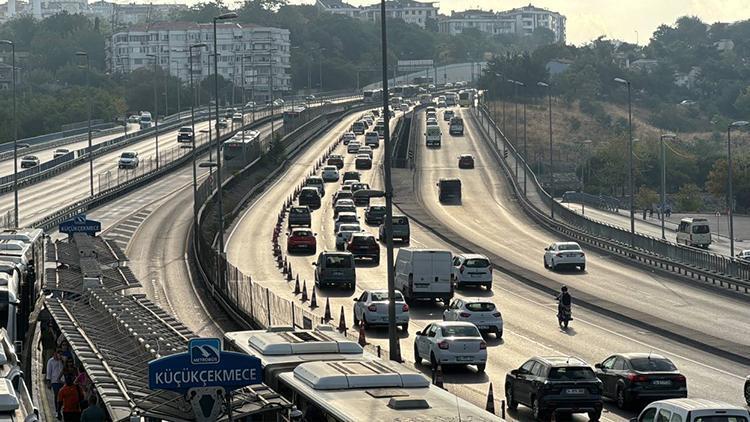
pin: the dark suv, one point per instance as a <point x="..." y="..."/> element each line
<point x="310" y="196"/>
<point x="375" y="214"/>
<point x="557" y="384"/>
<point x="363" y="245"/>
<point x="300" y="216"/>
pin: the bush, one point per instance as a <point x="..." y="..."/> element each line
<point x="689" y="198"/>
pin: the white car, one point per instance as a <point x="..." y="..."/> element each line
<point x="250" y="104"/>
<point x="342" y="194"/>
<point x="128" y="160"/>
<point x="564" y="254"/>
<point x="472" y="270"/>
<point x="745" y="256"/>
<point x="60" y="152"/>
<point x="372" y="139"/>
<point x="348" y="136"/>
<point x="363" y="162"/>
<point x="330" y="174"/>
<point x="372" y="309"/>
<point x="451" y="343"/>
<point x="345" y="218"/>
<point x="29" y="161"/>
<point x="345" y="233"/>
<point x="365" y="150"/>
<point x="343" y="205"/>
<point x="432" y="122"/>
<point x="237" y="117"/>
<point x="480" y="312"/>
<point x="353" y="147"/>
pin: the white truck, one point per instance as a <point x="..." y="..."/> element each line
<point x="145" y="120"/>
<point x="424" y="274"/>
<point x="433" y="136"/>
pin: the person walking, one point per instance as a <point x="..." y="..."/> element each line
<point x="70" y="398"/>
<point x="83" y="381"/>
<point x="54" y="377"/>
<point x="94" y="412"/>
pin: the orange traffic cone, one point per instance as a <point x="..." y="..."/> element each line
<point x="437" y="376"/>
<point x="327" y="313"/>
<point x="490" y="407"/>
<point x="304" y="291"/>
<point x="342" y="320"/>
<point x="362" y="340"/>
<point x="313" y="299"/>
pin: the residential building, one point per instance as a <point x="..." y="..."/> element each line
<point x="258" y="54"/>
<point x="410" y="11"/>
<point x="114" y="13"/>
<point x="521" y="21"/>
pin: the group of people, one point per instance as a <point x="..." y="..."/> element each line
<point x="72" y="389"/>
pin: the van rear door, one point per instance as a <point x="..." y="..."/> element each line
<point x="441" y="269"/>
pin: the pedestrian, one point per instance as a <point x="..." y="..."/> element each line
<point x="69" y="369"/>
<point x="94" y="412"/>
<point x="83" y="381"/>
<point x="54" y="377"/>
<point x="70" y="398"/>
<point x="644" y="213"/>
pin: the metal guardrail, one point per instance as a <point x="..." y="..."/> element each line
<point x="718" y="269"/>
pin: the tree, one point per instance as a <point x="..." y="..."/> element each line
<point x="646" y="198"/>
<point x="689" y="198"/>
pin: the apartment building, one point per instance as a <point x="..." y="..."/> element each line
<point x="409" y="11"/>
<point x="521" y="21"/>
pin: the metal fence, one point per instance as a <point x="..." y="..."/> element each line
<point x="682" y="259"/>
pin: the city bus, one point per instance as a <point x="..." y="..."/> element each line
<point x="331" y="378"/>
<point x="465" y="98"/>
<point x="372" y="96"/>
<point x="245" y="144"/>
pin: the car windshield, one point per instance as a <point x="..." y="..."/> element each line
<point x="571" y="374"/>
<point x="460" y="331"/>
<point x="347" y="217"/>
<point x="349" y="228"/>
<point x="302" y="233"/>
<point x="477" y="263"/>
<point x="29" y="157"/>
<point x="651" y="365"/>
<point x="306" y="193"/>
<point x="363" y="240"/>
<point x="299" y="211"/>
<point x="480" y="307"/>
<point x="378" y="209"/>
<point x="383" y="296"/>
<point x="701" y="229"/>
<point x="128" y="155"/>
<point x="401" y="221"/>
<point x="185" y="129"/>
<point x="568" y="247"/>
<point x="338" y="261"/>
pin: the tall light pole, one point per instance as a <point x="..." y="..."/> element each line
<point x="393" y="341"/>
<point x="630" y="160"/>
<point x="156" y="108"/>
<point x="551" y="169"/>
<point x="270" y="85"/>
<point x="219" y="182"/>
<point x="500" y="87"/>
<point x="521" y="84"/>
<point x="585" y="143"/>
<point x="192" y="124"/>
<point x="15" y="129"/>
<point x="664" y="177"/>
<point x="515" y="137"/>
<point x="88" y="117"/>
<point x="730" y="194"/>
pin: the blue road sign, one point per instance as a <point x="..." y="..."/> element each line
<point x="79" y="224"/>
<point x="204" y="365"/>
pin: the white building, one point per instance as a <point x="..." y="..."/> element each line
<point x="520" y="21"/>
<point x="116" y="14"/>
<point x="409" y="11"/>
<point x="253" y="50"/>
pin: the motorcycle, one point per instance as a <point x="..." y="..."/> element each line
<point x="564" y="315"/>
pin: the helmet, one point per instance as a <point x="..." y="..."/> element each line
<point x="564" y="288"/>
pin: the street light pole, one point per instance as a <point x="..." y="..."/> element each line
<point x="515" y="137"/>
<point x="156" y="109"/>
<point x="730" y="194"/>
<point x="192" y="124"/>
<point x="551" y="168"/>
<point x="15" y="129"/>
<point x="270" y="86"/>
<point x="630" y="160"/>
<point x="88" y="113"/>
<point x="664" y="178"/>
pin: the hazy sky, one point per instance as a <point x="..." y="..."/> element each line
<point x="587" y="19"/>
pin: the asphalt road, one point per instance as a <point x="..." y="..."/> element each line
<point x="530" y="324"/>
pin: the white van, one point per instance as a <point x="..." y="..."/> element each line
<point x="145" y="120"/>
<point x="694" y="232"/>
<point x="692" y="410"/>
<point x="433" y="136"/>
<point x="424" y="274"/>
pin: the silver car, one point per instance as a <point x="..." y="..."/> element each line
<point x="480" y="312"/>
<point x="372" y="309"/>
<point x="345" y="233"/>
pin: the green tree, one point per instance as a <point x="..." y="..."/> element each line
<point x="689" y="198"/>
<point x="646" y="197"/>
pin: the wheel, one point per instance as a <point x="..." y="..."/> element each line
<point x="622" y="402"/>
<point x="595" y="415"/>
<point x="539" y="414"/>
<point x="376" y="261"/>
<point x="509" y="399"/>
<point x="417" y="358"/>
<point x="499" y="335"/>
<point x="488" y="286"/>
<point x="480" y="367"/>
<point x="545" y="262"/>
<point x="747" y="392"/>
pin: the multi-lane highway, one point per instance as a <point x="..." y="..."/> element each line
<point x="488" y="216"/>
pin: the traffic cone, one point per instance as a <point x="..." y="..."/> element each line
<point x="342" y="320"/>
<point x="296" y="286"/>
<point x="437" y="376"/>
<point x="362" y="340"/>
<point x="313" y="300"/>
<point x="327" y="313"/>
<point x="490" y="407"/>
<point x="304" y="291"/>
<point x="289" y="273"/>
<point x="285" y="267"/>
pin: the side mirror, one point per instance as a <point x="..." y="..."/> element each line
<point x="514" y="372"/>
<point x="315" y="264"/>
<point x="599" y="366"/>
<point x="355" y="300"/>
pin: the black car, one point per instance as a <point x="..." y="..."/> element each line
<point x="557" y="384"/>
<point x="300" y="216"/>
<point x="375" y="214"/>
<point x="336" y="160"/>
<point x="747" y="390"/>
<point x="350" y="175"/>
<point x="466" y="161"/>
<point x="636" y="377"/>
<point x="363" y="245"/>
<point x="310" y="196"/>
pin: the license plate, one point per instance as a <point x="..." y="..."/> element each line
<point x="661" y="382"/>
<point x="574" y="391"/>
<point x="483" y="327"/>
<point x="338" y="273"/>
<point x="476" y="275"/>
<point x="572" y="255"/>
<point x="464" y="358"/>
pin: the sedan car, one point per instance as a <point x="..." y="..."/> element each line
<point x="482" y="313"/>
<point x="451" y="343"/>
<point x="371" y="307"/>
<point x="348" y="136"/>
<point x="344" y="233"/>
<point x="640" y="377"/>
<point x="185" y="134"/>
<point x="466" y="161"/>
<point x="335" y="160"/>
<point x="353" y="147"/>
<point x="301" y="240"/>
<point x="351" y="175"/>
<point x="343" y="205"/>
<point x="60" y="152"/>
<point x="564" y="254"/>
<point x="375" y="214"/>
<point x="345" y="218"/>
<point x="363" y="162"/>
<point x="330" y="174"/>
<point x="448" y="115"/>
<point x="365" y="150"/>
<point x="29" y="161"/>
<point x="364" y="246"/>
<point x="222" y="124"/>
<point x="372" y="139"/>
<point x="747" y="390"/>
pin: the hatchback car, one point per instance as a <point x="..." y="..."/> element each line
<point x="375" y="214"/>
<point x="451" y="343"/>
<point x="344" y="232"/>
<point x="466" y="161"/>
<point x="341" y="194"/>
<point x="371" y="308"/>
<point x="29" y="161"/>
<point x="448" y="115"/>
<point x="335" y="160"/>
<point x="365" y="150"/>
<point x="353" y="147"/>
<point x="561" y="254"/>
<point x="555" y="384"/>
<point x="640" y="377"/>
<point x="335" y="269"/>
<point x="300" y="216"/>
<point x="472" y="270"/>
<point x="363" y="162"/>
<point x="364" y="246"/>
<point x="301" y="240"/>
<point x="185" y="134"/>
<point x="310" y="196"/>
<point x="60" y="152"/>
<point x="317" y="182"/>
<point x="330" y="174"/>
<point x="482" y="313"/>
<point x="348" y="136"/>
<point x="372" y="139"/>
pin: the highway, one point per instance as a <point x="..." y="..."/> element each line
<point x="530" y="323"/>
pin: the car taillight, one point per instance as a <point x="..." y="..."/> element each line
<point x="372" y="308"/>
<point x="497" y="315"/>
<point x="679" y="378"/>
<point x="464" y="314"/>
<point x="461" y="269"/>
<point x="482" y="345"/>
<point x="443" y="345"/>
<point x="405" y="308"/>
<point x="637" y="378"/>
<point x="583" y="254"/>
<point x="559" y="255"/>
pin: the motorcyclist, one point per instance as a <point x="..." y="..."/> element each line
<point x="564" y="300"/>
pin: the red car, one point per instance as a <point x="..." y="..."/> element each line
<point x="301" y="240"/>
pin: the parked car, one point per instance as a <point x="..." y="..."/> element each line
<point x="640" y="377"/>
<point x="747" y="390"/>
<point x="128" y="160"/>
<point x="351" y="175"/>
<point x="555" y="384"/>
<point x="335" y="160"/>
<point x="375" y="214"/>
<point x="237" y="118"/>
<point x="309" y="196"/>
<point x="472" y="270"/>
<point x="330" y="174"/>
<point x="301" y="239"/>
<point x="335" y="269"/>
<point x="480" y="312"/>
<point x="564" y="254"/>
<point x="60" y="152"/>
<point x="692" y="410"/>
<point x="364" y="245"/>
<point x="29" y="161"/>
<point x="299" y="216"/>
<point x="371" y="308"/>
<point x="451" y="343"/>
<point x="344" y="232"/>
<point x="185" y="134"/>
<point x="466" y="161"/>
<point x="363" y="162"/>
<point x="400" y="228"/>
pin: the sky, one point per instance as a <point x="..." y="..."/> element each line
<point x="616" y="19"/>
